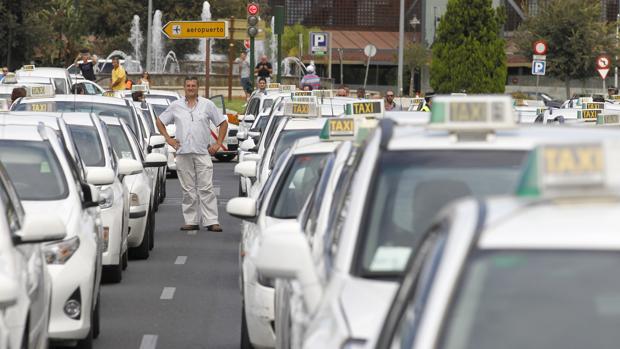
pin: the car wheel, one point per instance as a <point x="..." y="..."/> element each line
<point x="172" y="174"/>
<point x="142" y="251"/>
<point x="86" y="343"/>
<point x="25" y="338"/>
<point x="95" y="319"/>
<point x="225" y="157"/>
<point x="245" y="336"/>
<point x="113" y="273"/>
<point x="163" y="190"/>
<point x="125" y="260"/>
<point x="241" y="194"/>
<point x="152" y="230"/>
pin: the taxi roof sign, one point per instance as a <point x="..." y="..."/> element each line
<point x="323" y="93"/>
<point x="41" y="107"/>
<point x="367" y="108"/>
<point x="4" y="105"/>
<point x="139" y="88"/>
<point x="40" y="91"/>
<point x="339" y="129"/>
<point x="301" y="94"/>
<point x="472" y="113"/>
<point x="273" y="85"/>
<point x="28" y="67"/>
<point x="302" y="109"/>
<point x="571" y="169"/>
<point x="608" y="119"/>
<point x="287" y="88"/>
<point x="10" y="78"/>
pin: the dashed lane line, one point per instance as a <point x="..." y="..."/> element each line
<point x="167" y="293"/>
<point x="149" y="341"/>
<point x="180" y="260"/>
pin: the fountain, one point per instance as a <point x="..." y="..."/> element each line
<point x="157" y="44"/>
<point x="273" y="47"/>
<point x="135" y="39"/>
<point x="287" y="71"/>
<point x="206" y="16"/>
<point x="174" y="66"/>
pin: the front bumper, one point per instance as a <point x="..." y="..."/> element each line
<point x="259" y="309"/>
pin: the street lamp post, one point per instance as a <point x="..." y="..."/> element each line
<point x="616" y="64"/>
<point x="149" y="34"/>
<point x="401" y="43"/>
<point x="414" y="23"/>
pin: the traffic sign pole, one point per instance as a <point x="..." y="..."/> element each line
<point x="207" y="66"/>
<point x="231" y="52"/>
<point x="252" y="64"/>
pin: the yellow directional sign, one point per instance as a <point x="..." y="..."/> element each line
<point x="196" y="30"/>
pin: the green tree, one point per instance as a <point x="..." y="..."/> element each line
<point x="468" y="52"/>
<point x="575" y="36"/>
<point x="417" y="56"/>
<point x="290" y="39"/>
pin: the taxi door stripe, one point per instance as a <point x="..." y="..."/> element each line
<point x="215" y="137"/>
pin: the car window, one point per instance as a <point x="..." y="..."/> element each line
<point x="286" y="139"/>
<point x="90" y="89"/>
<point x="88" y="144"/>
<point x="158" y="109"/>
<point x="120" y="142"/>
<point x="295" y="185"/>
<point x="318" y="196"/>
<point x="61" y="86"/>
<point x="12" y="206"/>
<point x="34" y="170"/>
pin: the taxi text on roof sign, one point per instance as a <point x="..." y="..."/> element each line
<point x="338" y="129"/>
<point x="28" y="67"/>
<point x="141" y="88"/>
<point x="365" y="108"/>
<point x="472" y="112"/>
<point x="568" y="169"/>
<point x="273" y="85"/>
<point x="301" y="94"/>
<point x="303" y="109"/>
<point x="323" y="93"/>
<point x="286" y="88"/>
<point x="608" y="119"/>
<point x="40" y="91"/>
<point x="196" y="29"/>
<point x="41" y="107"/>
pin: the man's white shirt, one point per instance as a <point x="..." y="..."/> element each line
<point x="192" y="124"/>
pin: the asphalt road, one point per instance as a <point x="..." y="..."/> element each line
<point x="186" y="294"/>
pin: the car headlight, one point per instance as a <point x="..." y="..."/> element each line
<point x="106" y="197"/>
<point x="135" y="200"/>
<point x="60" y="252"/>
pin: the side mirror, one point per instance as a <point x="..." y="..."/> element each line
<point x="128" y="167"/>
<point x="242" y="135"/>
<point x="91" y="195"/>
<point x="253" y="134"/>
<point x="41" y="228"/>
<point x="253" y="157"/>
<point x="285" y="253"/>
<point x="155" y="160"/>
<point x="247" y="145"/>
<point x="248" y="117"/>
<point x="244" y="208"/>
<point x="8" y="291"/>
<point x="100" y="176"/>
<point x="157" y="141"/>
<point x="246" y="169"/>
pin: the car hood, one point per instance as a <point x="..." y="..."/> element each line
<point x="68" y="213"/>
<point x="365" y="304"/>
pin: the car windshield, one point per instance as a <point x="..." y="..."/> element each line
<point x="61" y="86"/>
<point x="88" y="144"/>
<point x="34" y="170"/>
<point x="167" y="97"/>
<point x="534" y="299"/>
<point x="295" y="185"/>
<point x="260" y="125"/>
<point x="146" y="115"/>
<point x="158" y="109"/>
<point x="412" y="186"/>
<point x="120" y="142"/>
<point x="286" y="140"/>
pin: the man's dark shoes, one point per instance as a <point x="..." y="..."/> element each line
<point x="214" y="227"/>
<point x="186" y="227"/>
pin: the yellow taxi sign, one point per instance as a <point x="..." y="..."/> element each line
<point x="10" y="78"/>
<point x="40" y="107"/>
<point x="416" y="104"/>
<point x="273" y="85"/>
<point x="28" y="67"/>
<point x="109" y="94"/>
<point x="4" y="105"/>
<point x="287" y="88"/>
<point x="481" y="112"/>
<point x="40" y="91"/>
<point x="301" y="109"/>
<point x="369" y="108"/>
<point x="616" y="98"/>
<point x="338" y="129"/>
<point x="323" y="93"/>
<point x="608" y="119"/>
<point x="139" y="88"/>
<point x="593" y="105"/>
<point x="301" y="94"/>
<point x="196" y="29"/>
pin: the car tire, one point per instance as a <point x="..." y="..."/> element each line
<point x="152" y="230"/>
<point x="142" y="251"/>
<point x="162" y="193"/>
<point x="25" y="338"/>
<point x="172" y="174"/>
<point x="225" y="157"/>
<point x="125" y="260"/>
<point x="245" y="335"/>
<point x="241" y="194"/>
<point x="96" y="319"/>
<point x="156" y="199"/>
<point x="113" y="273"/>
<point x="86" y="343"/>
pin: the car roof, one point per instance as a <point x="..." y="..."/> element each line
<point x="110" y="120"/>
<point x="157" y="101"/>
<point x="304" y="124"/>
<point x="575" y="224"/>
<point x="24" y="132"/>
<point x="77" y="98"/>
<point x="30" y="118"/>
<point x="82" y="119"/>
<point x="43" y="71"/>
<point x="313" y="145"/>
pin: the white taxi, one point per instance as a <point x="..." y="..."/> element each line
<point x="25" y="305"/>
<point x="141" y="186"/>
<point x="406" y="174"/>
<point x="280" y="200"/>
<point x="522" y="271"/>
<point x="60" y="76"/>
<point x="47" y="180"/>
<point x="103" y="169"/>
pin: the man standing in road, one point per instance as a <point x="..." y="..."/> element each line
<point x="86" y="64"/>
<point x="191" y="117"/>
<point x="244" y="73"/>
<point x="263" y="69"/>
<point x="119" y="77"/>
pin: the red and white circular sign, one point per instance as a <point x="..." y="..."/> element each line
<point x="540" y="47"/>
<point x="246" y="43"/>
<point x="603" y="62"/>
<point x="253" y="9"/>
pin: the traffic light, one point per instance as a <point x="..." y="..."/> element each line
<point x="253" y="10"/>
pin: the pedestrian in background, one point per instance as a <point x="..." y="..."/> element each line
<point x="86" y="64"/>
<point x="244" y="73"/>
<point x="311" y="78"/>
<point x="5" y="72"/>
<point x="361" y="93"/>
<point x="194" y="147"/>
<point x="341" y="92"/>
<point x="389" y="101"/>
<point x="306" y="87"/>
<point x="119" y="77"/>
<point x="145" y="79"/>
<point x="262" y="85"/>
<point x="17" y="93"/>
<point x="263" y="69"/>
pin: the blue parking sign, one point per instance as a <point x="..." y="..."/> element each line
<point x="319" y="43"/>
<point x="538" y="67"/>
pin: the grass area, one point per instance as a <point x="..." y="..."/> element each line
<point x="237" y="104"/>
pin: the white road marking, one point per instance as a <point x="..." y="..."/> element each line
<point x="149" y="341"/>
<point x="192" y="232"/>
<point x="217" y="191"/>
<point x="167" y="293"/>
<point x="180" y="260"/>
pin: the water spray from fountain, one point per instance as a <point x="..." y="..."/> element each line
<point x="273" y="47"/>
<point x="174" y="65"/>
<point x="135" y="38"/>
<point x="206" y="16"/>
<point x="158" y="44"/>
